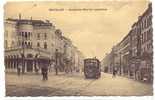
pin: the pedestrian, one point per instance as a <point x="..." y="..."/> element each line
<point x="56" y="69"/>
<point x="36" y="68"/>
<point x="44" y="69"/>
<point x="114" y="72"/>
<point x="43" y="73"/>
<point x="50" y="65"/>
<point x="46" y="73"/>
<point x="41" y="64"/>
<point x="47" y="63"/>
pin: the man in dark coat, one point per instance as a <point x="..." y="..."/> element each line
<point x="44" y="69"/>
<point x="114" y="72"/>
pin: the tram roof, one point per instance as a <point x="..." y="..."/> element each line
<point x="91" y="59"/>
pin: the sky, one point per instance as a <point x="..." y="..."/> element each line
<point x="94" y="32"/>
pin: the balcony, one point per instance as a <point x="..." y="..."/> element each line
<point x="20" y="49"/>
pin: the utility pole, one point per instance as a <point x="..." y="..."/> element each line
<point x="23" y="55"/>
<point x="120" y="63"/>
<point x="22" y="48"/>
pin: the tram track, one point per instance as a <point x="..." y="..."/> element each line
<point x="86" y="86"/>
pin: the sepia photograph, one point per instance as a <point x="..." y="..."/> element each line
<point x="84" y="48"/>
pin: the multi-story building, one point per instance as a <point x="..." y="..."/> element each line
<point x="10" y="34"/>
<point x="117" y="57"/>
<point x="27" y="39"/>
<point x="125" y="54"/>
<point x="78" y="60"/>
<point x="106" y="63"/>
<point x="134" y="51"/>
<point x="110" y="61"/>
<point x="121" y="55"/>
<point x="81" y="58"/>
<point x="72" y="55"/>
<point x="142" y="47"/>
<point x="133" y="56"/>
<point x="146" y="35"/>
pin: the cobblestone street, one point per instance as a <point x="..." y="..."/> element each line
<point x="74" y="85"/>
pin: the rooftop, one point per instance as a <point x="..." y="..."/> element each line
<point x="34" y="22"/>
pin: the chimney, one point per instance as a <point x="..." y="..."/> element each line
<point x="31" y="17"/>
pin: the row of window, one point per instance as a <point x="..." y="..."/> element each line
<point x="26" y="35"/>
<point x="146" y="36"/>
<point x="146" y="47"/>
<point x="134" y="52"/>
<point x="39" y="35"/>
<point x="45" y="45"/>
<point x="146" y="22"/>
<point x="25" y="44"/>
<point x="29" y="44"/>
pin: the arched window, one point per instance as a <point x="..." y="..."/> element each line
<point x="29" y="44"/>
<point x="25" y="44"/>
<point x="45" y="45"/>
<point x="29" y="35"/>
<point x="22" y="34"/>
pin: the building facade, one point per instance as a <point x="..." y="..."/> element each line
<point x="146" y="35"/>
<point x="27" y="39"/>
<point x="133" y="56"/>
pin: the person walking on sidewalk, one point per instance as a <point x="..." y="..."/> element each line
<point x="114" y="72"/>
<point x="44" y="70"/>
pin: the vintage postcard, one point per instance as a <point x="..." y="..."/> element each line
<point x="66" y="48"/>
